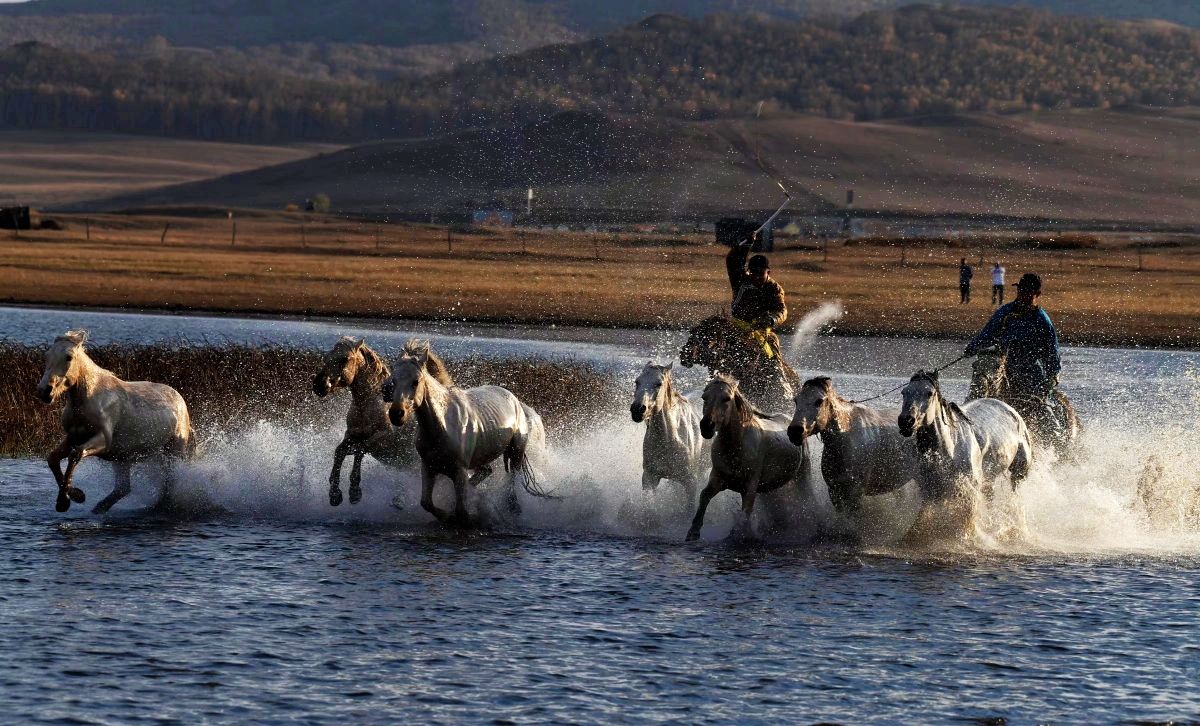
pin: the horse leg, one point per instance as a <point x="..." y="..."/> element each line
<point x="428" y="477"/>
<point x="93" y="446"/>
<point x="335" y="476"/>
<point x="650" y="481"/>
<point x="715" y="487"/>
<point x="356" y="477"/>
<point x="741" y="529"/>
<point x="54" y="460"/>
<point x="120" y="490"/>
<point x="461" y="484"/>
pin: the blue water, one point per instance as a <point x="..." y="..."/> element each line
<point x="280" y="609"/>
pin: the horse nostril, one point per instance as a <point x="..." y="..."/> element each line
<point x="796" y="434"/>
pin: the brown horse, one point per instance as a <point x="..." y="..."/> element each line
<point x="990" y="380"/>
<point x="721" y="346"/>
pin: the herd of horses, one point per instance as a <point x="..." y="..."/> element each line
<point x="411" y="413"/>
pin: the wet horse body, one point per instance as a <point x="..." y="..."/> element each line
<point x="672" y="447"/>
<point x="863" y="452"/>
<point x="962" y="449"/>
<point x="354" y="365"/>
<point x="751" y="453"/>
<point x="462" y="432"/>
<point x="1059" y="427"/>
<point x="719" y="345"/>
<point x="122" y="422"/>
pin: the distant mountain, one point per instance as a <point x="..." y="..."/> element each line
<point x="914" y="61"/>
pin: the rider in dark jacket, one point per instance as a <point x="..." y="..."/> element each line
<point x="1023" y="330"/>
<point x="758" y="301"/>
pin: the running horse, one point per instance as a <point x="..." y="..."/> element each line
<point x="989" y="380"/>
<point x="672" y="447"/>
<point x="461" y="433"/>
<point x="122" y="422"/>
<point x="723" y="347"/>
<point x="354" y="365"/>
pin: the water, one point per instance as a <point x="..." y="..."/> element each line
<point x="1078" y="604"/>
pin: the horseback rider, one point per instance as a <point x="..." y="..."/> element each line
<point x="758" y="304"/>
<point x="1024" y="333"/>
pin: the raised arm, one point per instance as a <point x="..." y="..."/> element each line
<point x="735" y="265"/>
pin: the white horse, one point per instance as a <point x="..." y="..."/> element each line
<point x="962" y="449"/>
<point x="863" y="452"/>
<point x="118" y="421"/>
<point x="751" y="453"/>
<point x="672" y="447"/>
<point x="352" y="364"/>
<point x="461" y="432"/>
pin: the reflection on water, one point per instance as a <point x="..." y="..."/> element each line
<point x="1077" y="597"/>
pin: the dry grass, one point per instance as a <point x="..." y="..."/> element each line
<point x="231" y="387"/>
<point x="1094" y="290"/>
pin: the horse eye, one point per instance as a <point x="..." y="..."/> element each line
<point x="70" y="356"/>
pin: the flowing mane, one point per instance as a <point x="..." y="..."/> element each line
<point x="78" y="337"/>
<point x="433" y="363"/>
<point x="746" y="411"/>
<point x="952" y="409"/>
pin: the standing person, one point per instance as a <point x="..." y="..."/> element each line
<point x="965" y="273"/>
<point x="758" y="303"/>
<point x="997" y="284"/>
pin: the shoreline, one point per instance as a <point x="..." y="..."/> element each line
<point x="839" y="330"/>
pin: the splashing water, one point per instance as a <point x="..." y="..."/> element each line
<point x="806" y="330"/>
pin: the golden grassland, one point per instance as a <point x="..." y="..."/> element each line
<point x="292" y="263"/>
<point x="231" y="387"/>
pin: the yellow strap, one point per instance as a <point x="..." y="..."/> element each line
<point x="759" y="336"/>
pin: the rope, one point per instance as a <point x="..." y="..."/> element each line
<point x="902" y="385"/>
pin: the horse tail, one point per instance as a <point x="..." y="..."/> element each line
<point x="516" y="456"/>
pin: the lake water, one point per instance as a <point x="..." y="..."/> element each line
<point x="1078" y="603"/>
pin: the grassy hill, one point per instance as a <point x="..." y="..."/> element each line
<point x="1079" y="165"/>
<point x="916" y="61"/>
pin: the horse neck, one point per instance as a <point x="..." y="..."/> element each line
<point x="90" y="377"/>
<point x="431" y="411"/>
<point x="368" y="380"/>
<point x="939" y="435"/>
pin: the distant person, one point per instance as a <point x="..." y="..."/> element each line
<point x="997" y="284"/>
<point x="965" y="273"/>
<point x="758" y="302"/>
<point x="1027" y="338"/>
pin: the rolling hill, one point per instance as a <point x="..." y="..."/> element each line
<point x="1074" y="165"/>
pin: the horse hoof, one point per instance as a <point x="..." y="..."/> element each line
<point x="335" y="497"/>
<point x="692" y="537"/>
<point x="76" y="494"/>
<point x="63" y="503"/>
<point x="355" y="495"/>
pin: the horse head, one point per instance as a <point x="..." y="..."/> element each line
<point x="407" y="387"/>
<point x="816" y="410"/>
<point x="340" y="366"/>
<point x="651" y="391"/>
<point x="723" y="404"/>
<point x="65" y="362"/>
<point x="988" y="377"/>
<point x="922" y="402"/>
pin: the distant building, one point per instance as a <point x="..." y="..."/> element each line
<point x="492" y="218"/>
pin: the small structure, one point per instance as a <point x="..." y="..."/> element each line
<point x="15" y="218"/>
<point x="492" y="218"/>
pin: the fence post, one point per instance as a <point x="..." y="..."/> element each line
<point x="376" y="235"/>
<point x="1139" y="253"/>
<point x="303" y="235"/>
<point x="233" y="235"/>
<point x="449" y="241"/>
<point x="87" y="227"/>
<point x="163" y="240"/>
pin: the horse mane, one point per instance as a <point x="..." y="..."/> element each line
<point x="434" y="365"/>
<point x="375" y="362"/>
<point x="79" y="336"/>
<point x="953" y="410"/>
<point x="746" y="411"/>
<point x="825" y="383"/>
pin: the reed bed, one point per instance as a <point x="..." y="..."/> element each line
<point x="231" y="387"/>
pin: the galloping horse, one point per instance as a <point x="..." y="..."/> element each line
<point x="672" y="447"/>
<point x="118" y="421"/>
<point x="863" y="452"/>
<point x="460" y="432"/>
<point x="989" y="380"/>
<point x="352" y="364"/>
<point x="718" y="344"/>
<point x="751" y="453"/>
<point x="962" y="449"/>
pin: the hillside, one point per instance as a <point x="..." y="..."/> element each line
<point x="916" y="61"/>
<point x="1080" y="165"/>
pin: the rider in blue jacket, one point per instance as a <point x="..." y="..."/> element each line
<point x="1023" y="330"/>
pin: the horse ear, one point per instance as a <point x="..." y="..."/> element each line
<point x="671" y="366"/>
<point x="933" y="375"/>
<point x="362" y="342"/>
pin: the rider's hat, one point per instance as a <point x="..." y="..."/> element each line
<point x="1030" y="281"/>
<point x="759" y="262"/>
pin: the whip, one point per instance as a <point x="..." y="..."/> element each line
<point x="902" y="385"/>
<point x="787" y="197"/>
